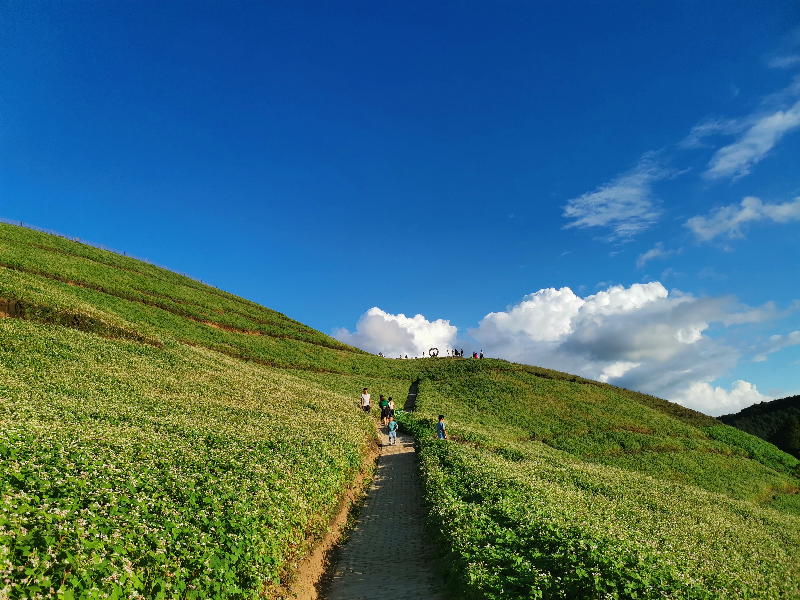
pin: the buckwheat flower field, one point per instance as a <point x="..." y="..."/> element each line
<point x="130" y="471"/>
<point x="161" y="438"/>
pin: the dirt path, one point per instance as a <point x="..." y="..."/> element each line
<point x="386" y="556"/>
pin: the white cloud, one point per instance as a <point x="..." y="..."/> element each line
<point x="642" y="337"/>
<point x="398" y="335"/>
<point x="543" y="316"/>
<point x="784" y="62"/>
<point x="702" y="396"/>
<point x="777" y="342"/>
<point x="736" y="159"/>
<point x="729" y="220"/>
<point x="617" y="369"/>
<point x="625" y="205"/>
<point x="711" y="127"/>
<point x="656" y="251"/>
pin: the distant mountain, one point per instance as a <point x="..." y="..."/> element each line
<point x="777" y="422"/>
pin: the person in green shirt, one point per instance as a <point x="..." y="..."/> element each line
<point x="383" y="403"/>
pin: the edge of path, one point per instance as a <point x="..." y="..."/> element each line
<point x="312" y="572"/>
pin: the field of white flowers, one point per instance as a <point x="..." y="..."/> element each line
<point x="132" y="471"/>
<point x="164" y="439"/>
<point x="523" y="509"/>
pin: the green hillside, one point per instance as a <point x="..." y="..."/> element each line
<point x="163" y="438"/>
<point x="777" y="421"/>
<point x="562" y="489"/>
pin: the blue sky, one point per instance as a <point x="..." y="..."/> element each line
<point x="349" y="163"/>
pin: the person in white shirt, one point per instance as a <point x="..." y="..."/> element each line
<point x="365" y="401"/>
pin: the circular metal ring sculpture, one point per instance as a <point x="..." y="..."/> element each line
<point x="433" y="352"/>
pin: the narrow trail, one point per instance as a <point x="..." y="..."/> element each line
<point x="411" y="400"/>
<point x="387" y="556"/>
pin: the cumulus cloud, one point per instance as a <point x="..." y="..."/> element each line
<point x="398" y="335"/>
<point x="729" y="220"/>
<point x="641" y="337"/>
<point x="718" y="400"/>
<point x="775" y="343"/>
<point x="656" y="251"/>
<point x="625" y="205"/>
<point x="617" y="369"/>
<point x="736" y="159"/>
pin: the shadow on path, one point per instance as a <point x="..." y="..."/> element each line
<point x="411" y="400"/>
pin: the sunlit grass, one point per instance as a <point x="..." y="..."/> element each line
<point x="161" y="438"/>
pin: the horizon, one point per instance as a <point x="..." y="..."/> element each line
<point x="610" y="192"/>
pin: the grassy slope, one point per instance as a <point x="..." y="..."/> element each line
<point x="176" y="464"/>
<point x="560" y="489"/>
<point x="599" y="425"/>
<point x="122" y="376"/>
<point x="138" y="453"/>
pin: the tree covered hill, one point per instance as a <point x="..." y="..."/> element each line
<point x="777" y="421"/>
<point x="163" y="438"/>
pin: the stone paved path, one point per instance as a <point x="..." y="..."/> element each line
<point x="386" y="556"/>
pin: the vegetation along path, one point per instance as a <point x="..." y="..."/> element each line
<point x="387" y="555"/>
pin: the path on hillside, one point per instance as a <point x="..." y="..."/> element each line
<point x="411" y="400"/>
<point x="386" y="556"/>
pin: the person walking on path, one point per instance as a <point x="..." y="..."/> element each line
<point x="365" y="401"/>
<point x="391" y="407"/>
<point x="383" y="403"/>
<point x="441" y="428"/>
<point x="392" y="426"/>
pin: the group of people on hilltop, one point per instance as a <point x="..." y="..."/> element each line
<point x="455" y="354"/>
<point x="460" y="354"/>
<point x="387" y="416"/>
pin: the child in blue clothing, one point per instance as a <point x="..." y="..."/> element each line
<point x="441" y="429"/>
<point x="392" y="431"/>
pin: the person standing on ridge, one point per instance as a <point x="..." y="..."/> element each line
<point x="365" y="401"/>
<point x="481" y="353"/>
<point x="462" y="353"/>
